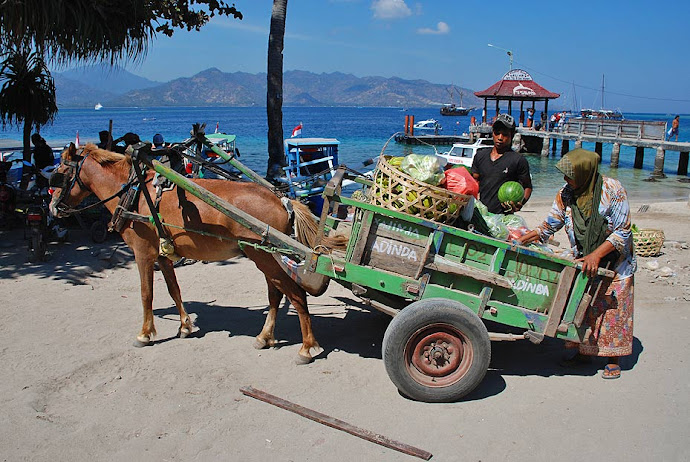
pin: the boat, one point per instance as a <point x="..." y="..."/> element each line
<point x="311" y="163"/>
<point x="601" y="114"/>
<point x="429" y="125"/>
<point x="463" y="153"/>
<point x="98" y="106"/>
<point x="453" y="110"/>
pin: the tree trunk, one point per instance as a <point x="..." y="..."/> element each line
<point x="274" y="90"/>
<point x="26" y="172"/>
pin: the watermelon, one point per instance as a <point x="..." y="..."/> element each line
<point x="511" y="191"/>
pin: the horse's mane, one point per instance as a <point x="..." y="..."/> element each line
<point x="104" y="157"/>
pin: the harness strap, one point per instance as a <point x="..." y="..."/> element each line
<point x="149" y="201"/>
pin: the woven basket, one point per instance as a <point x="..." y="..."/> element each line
<point x="648" y="242"/>
<point x="398" y="191"/>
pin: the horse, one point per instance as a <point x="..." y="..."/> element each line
<point x="103" y="173"/>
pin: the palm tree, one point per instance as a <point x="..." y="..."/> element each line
<point x="27" y="96"/>
<point x="274" y="90"/>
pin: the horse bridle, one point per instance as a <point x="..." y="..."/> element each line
<point x="66" y="181"/>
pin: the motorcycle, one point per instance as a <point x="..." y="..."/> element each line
<point x="8" y="196"/>
<point x="41" y="225"/>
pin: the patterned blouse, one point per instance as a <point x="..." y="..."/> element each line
<point x="614" y="207"/>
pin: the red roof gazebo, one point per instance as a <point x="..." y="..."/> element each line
<point x="516" y="85"/>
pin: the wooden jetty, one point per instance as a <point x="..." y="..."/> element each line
<point x="640" y="134"/>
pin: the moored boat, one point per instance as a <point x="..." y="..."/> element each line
<point x="463" y="153"/>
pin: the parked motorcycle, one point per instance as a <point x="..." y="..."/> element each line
<point x="41" y="225"/>
<point x="8" y="196"/>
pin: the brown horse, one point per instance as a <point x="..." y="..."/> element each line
<point x="103" y="173"/>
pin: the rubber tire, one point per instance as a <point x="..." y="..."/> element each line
<point x="37" y="251"/>
<point x="428" y="312"/>
<point x="99" y="232"/>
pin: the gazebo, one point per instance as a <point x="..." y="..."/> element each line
<point x="516" y="85"/>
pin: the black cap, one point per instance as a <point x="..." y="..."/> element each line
<point x="507" y="120"/>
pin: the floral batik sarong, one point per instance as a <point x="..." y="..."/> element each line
<point x="611" y="320"/>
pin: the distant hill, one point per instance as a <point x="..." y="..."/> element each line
<point x="215" y="88"/>
<point x="85" y="86"/>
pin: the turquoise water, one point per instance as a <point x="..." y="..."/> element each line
<point x="361" y="131"/>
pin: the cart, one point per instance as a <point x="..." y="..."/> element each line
<point x="439" y="283"/>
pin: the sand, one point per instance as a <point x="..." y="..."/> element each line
<point x="74" y="388"/>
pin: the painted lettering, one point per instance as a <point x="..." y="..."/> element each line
<point x="381" y="246"/>
<point x="538" y="288"/>
<point x="401" y="228"/>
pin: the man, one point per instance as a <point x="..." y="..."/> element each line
<point x="43" y="157"/>
<point x="675" y="125"/>
<point x="492" y="169"/>
<point x="104" y="139"/>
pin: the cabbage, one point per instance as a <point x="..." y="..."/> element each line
<point x="427" y="169"/>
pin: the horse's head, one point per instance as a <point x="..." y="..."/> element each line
<point x="69" y="189"/>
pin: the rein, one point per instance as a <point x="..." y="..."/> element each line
<point x="74" y="169"/>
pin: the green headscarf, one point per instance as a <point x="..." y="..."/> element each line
<point x="590" y="228"/>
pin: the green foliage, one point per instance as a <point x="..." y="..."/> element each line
<point x="103" y="30"/>
<point x="28" y="91"/>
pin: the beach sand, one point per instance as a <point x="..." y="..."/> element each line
<point x="74" y="388"/>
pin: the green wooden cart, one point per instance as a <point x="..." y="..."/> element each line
<point x="439" y="283"/>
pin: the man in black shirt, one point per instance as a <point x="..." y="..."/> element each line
<point x="492" y="169"/>
<point x="43" y="157"/>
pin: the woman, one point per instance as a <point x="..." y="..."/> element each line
<point x="595" y="212"/>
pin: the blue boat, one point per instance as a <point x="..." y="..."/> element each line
<point x="311" y="163"/>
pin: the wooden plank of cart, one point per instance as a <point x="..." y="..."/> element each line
<point x="440" y="283"/>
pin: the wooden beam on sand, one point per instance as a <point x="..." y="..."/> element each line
<point x="335" y="423"/>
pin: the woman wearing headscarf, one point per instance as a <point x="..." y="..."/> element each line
<point x="595" y="213"/>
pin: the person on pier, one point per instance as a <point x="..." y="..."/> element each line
<point x="675" y="125"/>
<point x="595" y="212"/>
<point x="501" y="164"/>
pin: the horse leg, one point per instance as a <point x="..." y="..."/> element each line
<point x="148" y="330"/>
<point x="297" y="296"/>
<point x="168" y="270"/>
<point x="267" y="338"/>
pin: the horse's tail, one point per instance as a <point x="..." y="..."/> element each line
<point x="307" y="229"/>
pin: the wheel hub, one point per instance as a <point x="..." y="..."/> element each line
<point x="437" y="354"/>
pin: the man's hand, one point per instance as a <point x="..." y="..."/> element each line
<point x="528" y="238"/>
<point x="511" y="207"/>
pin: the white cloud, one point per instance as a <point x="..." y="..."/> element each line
<point x="390" y="9"/>
<point x="441" y="28"/>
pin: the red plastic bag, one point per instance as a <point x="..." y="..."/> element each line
<point x="461" y="181"/>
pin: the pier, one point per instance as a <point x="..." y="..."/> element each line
<point x="635" y="133"/>
<point x="409" y="136"/>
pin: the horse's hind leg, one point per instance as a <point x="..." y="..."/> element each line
<point x="276" y="277"/>
<point x="266" y="337"/>
<point x="168" y="270"/>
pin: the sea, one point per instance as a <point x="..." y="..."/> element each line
<point x="363" y="132"/>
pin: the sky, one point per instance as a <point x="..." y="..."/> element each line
<point x="640" y="48"/>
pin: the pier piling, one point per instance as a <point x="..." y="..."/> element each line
<point x="639" y="157"/>
<point x="545" y="147"/>
<point x="683" y="164"/>
<point x="565" y="147"/>
<point x="659" y="163"/>
<point x="553" y="147"/>
<point x="578" y="143"/>
<point x="615" y="154"/>
<point x="599" y="148"/>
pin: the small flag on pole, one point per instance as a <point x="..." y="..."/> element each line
<point x="216" y="127"/>
<point x="76" y="140"/>
<point x="297" y="130"/>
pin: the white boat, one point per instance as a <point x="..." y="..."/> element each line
<point x="463" y="153"/>
<point x="430" y="125"/>
<point x="98" y="106"/>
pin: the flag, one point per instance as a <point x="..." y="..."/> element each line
<point x="216" y="127"/>
<point x="76" y="140"/>
<point x="297" y="130"/>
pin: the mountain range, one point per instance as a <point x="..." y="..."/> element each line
<point x="116" y="87"/>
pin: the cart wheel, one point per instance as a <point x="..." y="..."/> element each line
<point x="99" y="232"/>
<point x="436" y="350"/>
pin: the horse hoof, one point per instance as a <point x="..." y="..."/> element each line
<point x="139" y="344"/>
<point x="184" y="333"/>
<point x="259" y="343"/>
<point x="301" y="360"/>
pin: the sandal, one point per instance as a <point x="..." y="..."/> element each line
<point x="611" y="371"/>
<point x="576" y="359"/>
